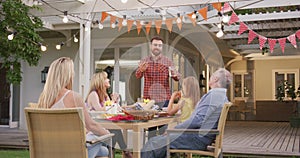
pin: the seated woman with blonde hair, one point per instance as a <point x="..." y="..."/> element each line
<point x="57" y="93"/>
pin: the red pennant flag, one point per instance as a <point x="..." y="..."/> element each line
<point x="242" y="28"/>
<point x="112" y="20"/>
<point x="138" y="26"/>
<point x="129" y="25"/>
<point x="192" y="20"/>
<point x="203" y="12"/>
<point x="103" y="17"/>
<point x="226" y="8"/>
<point x="234" y="18"/>
<point x="292" y="39"/>
<point x="272" y="43"/>
<point x="179" y="24"/>
<point x="298" y="34"/>
<point x="148" y="27"/>
<point x="217" y="6"/>
<point x="169" y="24"/>
<point x="251" y="36"/>
<point x="158" y="25"/>
<point x="120" y="25"/>
<point x="282" y="43"/>
<point x="262" y="41"/>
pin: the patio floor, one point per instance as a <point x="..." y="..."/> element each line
<point x="242" y="139"/>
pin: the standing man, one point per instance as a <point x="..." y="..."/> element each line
<point x="156" y="69"/>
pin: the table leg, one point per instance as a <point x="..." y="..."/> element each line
<point x="137" y="145"/>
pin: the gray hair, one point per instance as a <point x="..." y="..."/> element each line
<point x="224" y="77"/>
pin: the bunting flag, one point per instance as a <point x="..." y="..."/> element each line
<point x="272" y="43"/>
<point x="158" y="25"/>
<point x="192" y="20"/>
<point x="120" y="25"/>
<point x="138" y="26"/>
<point x="103" y="17"/>
<point x="242" y="28"/>
<point x="179" y="25"/>
<point x="282" y="43"/>
<point x="203" y="12"/>
<point x="298" y="34"/>
<point x="226" y="8"/>
<point x="169" y="24"/>
<point x="148" y="27"/>
<point x="292" y="39"/>
<point x="251" y="36"/>
<point x="129" y="25"/>
<point x="112" y="19"/>
<point x="234" y="18"/>
<point x="262" y="41"/>
<point x="217" y="6"/>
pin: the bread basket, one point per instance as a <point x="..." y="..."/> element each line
<point x="141" y="114"/>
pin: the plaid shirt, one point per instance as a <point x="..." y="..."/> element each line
<point x="156" y="78"/>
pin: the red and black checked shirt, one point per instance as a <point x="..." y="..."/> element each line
<point x="156" y="78"/>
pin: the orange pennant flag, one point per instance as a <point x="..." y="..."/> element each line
<point x="179" y="24"/>
<point x="120" y="23"/>
<point x="112" y="20"/>
<point x="129" y="25"/>
<point x="148" y="27"/>
<point x="203" y="12"/>
<point x="103" y="17"/>
<point x="192" y="20"/>
<point x="158" y="25"/>
<point x="169" y="24"/>
<point x="138" y="26"/>
<point x="217" y="6"/>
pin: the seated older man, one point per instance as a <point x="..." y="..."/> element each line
<point x="205" y="116"/>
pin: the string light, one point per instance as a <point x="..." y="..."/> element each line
<point x="194" y="15"/>
<point x="58" y="46"/>
<point x="43" y="48"/>
<point x="124" y="22"/>
<point x="220" y="33"/>
<point x="113" y="25"/>
<point x="75" y="39"/>
<point x="10" y="36"/>
<point x="163" y="18"/>
<point x="124" y="1"/>
<point x="178" y="18"/>
<point x="225" y="18"/>
<point x="65" y="19"/>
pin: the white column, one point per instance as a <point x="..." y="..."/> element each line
<point x="117" y="70"/>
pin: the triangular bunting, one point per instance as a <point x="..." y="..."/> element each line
<point x="203" y="12"/>
<point x="217" y="6"/>
<point x="262" y="41"/>
<point x="148" y="27"/>
<point x="112" y="20"/>
<point x="242" y="28"/>
<point x="129" y="25"/>
<point x="226" y="8"/>
<point x="158" y="25"/>
<point x="103" y="17"/>
<point x="120" y="25"/>
<point x="169" y="24"/>
<point x="272" y="43"/>
<point x="192" y="20"/>
<point x="179" y="25"/>
<point x="138" y="26"/>
<point x="282" y="43"/>
<point x="251" y="36"/>
<point x="234" y="18"/>
<point x="298" y="34"/>
<point x="292" y="39"/>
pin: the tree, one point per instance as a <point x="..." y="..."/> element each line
<point x="25" y="46"/>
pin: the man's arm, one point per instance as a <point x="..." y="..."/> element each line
<point x="139" y="73"/>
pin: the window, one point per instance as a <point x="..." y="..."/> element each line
<point x="290" y="75"/>
<point x="242" y="87"/>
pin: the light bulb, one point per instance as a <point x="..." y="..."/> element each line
<point x="124" y="1"/>
<point x="58" y="46"/>
<point x="75" y="39"/>
<point x="163" y="18"/>
<point x="163" y="12"/>
<point x="100" y="26"/>
<point x="10" y="37"/>
<point x="219" y="26"/>
<point x="183" y="19"/>
<point x="65" y="19"/>
<point x="43" y="48"/>
<point x="225" y="18"/>
<point x="194" y="16"/>
<point x="220" y="34"/>
<point x="113" y="25"/>
<point x="178" y="20"/>
<point x="124" y="22"/>
<point x="86" y="28"/>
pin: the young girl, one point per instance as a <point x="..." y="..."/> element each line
<point x="188" y="97"/>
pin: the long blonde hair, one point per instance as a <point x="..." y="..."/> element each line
<point x="190" y="87"/>
<point x="98" y="84"/>
<point x="60" y="75"/>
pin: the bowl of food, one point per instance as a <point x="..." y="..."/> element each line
<point x="141" y="114"/>
<point x="97" y="114"/>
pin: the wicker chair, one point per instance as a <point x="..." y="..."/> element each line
<point x="58" y="133"/>
<point x="215" y="150"/>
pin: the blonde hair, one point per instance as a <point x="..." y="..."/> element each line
<point x="190" y="87"/>
<point x="98" y="84"/>
<point x="60" y="75"/>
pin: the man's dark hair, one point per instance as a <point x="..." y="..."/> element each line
<point x="157" y="38"/>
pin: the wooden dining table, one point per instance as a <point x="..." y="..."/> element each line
<point x="137" y="126"/>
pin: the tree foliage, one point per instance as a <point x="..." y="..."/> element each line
<point x="15" y="18"/>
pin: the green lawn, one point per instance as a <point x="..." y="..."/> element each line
<point x="14" y="153"/>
